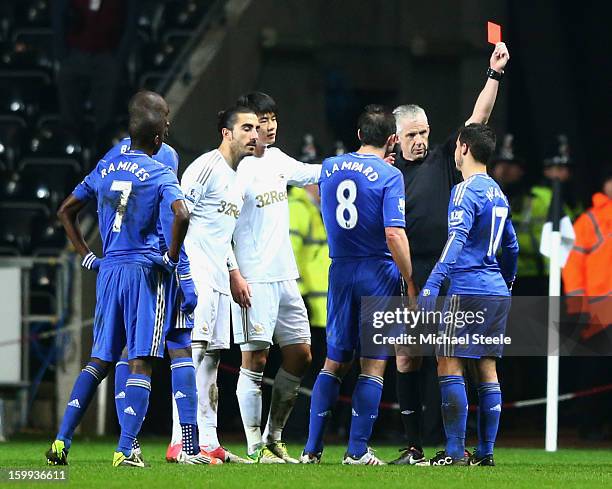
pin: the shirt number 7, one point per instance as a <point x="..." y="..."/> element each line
<point x="125" y="188"/>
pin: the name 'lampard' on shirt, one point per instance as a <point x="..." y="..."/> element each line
<point x="368" y="171"/>
<point x="140" y="173"/>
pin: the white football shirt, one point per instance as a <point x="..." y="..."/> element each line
<point x="261" y="239"/>
<point x="214" y="199"/>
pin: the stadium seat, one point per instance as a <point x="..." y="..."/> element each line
<point x="161" y="55"/>
<point x="8" y="250"/>
<point x="150" y="19"/>
<point x="12" y="139"/>
<point x="48" y="237"/>
<point x="33" y="13"/>
<point x="184" y="14"/>
<point x="16" y="223"/>
<point x="150" y="80"/>
<point x="30" y="49"/>
<point x="21" y="92"/>
<point x="49" y="140"/>
<point x="47" y="180"/>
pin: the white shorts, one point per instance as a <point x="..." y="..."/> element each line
<point x="212" y="319"/>
<point x="277" y="315"/>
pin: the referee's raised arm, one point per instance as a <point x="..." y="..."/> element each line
<point x="486" y="100"/>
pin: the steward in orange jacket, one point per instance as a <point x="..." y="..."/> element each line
<point x="588" y="271"/>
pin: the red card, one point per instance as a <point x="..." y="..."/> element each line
<point x="494" y="32"/>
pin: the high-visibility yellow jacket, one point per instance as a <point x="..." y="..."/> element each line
<point x="528" y="224"/>
<point x="309" y="241"/>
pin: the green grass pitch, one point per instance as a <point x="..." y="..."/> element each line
<point x="90" y="467"/>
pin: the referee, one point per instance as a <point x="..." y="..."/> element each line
<point x="429" y="176"/>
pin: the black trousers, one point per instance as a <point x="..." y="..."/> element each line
<point x="431" y="421"/>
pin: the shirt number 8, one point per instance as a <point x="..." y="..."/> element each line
<point x="346" y="212"/>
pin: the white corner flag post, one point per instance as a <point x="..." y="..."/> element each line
<point x="554" y="291"/>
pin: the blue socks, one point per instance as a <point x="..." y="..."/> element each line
<point x="454" y="413"/>
<point x="324" y="397"/>
<point x="122" y="371"/>
<point x="82" y="393"/>
<point x="489" y="411"/>
<point x="366" y="399"/>
<point x="137" y="390"/>
<point x="184" y="392"/>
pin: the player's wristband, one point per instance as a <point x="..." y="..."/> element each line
<point x="184" y="276"/>
<point x="495" y="75"/>
<point x="231" y="264"/>
<point x="168" y="261"/>
<point x="88" y="260"/>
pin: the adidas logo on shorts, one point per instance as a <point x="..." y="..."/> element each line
<point x="121" y="395"/>
<point x="179" y="395"/>
<point x="497" y="407"/>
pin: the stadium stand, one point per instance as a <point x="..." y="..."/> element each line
<point x="41" y="162"/>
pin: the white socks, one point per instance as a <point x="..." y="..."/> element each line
<point x="248" y="392"/>
<point x="208" y="396"/>
<point x="284" y="395"/>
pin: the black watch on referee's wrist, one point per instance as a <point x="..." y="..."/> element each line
<point x="496" y="75"/>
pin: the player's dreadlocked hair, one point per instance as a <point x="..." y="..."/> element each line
<point x="375" y="126"/>
<point x="260" y="102"/>
<point x="480" y="139"/>
<point x="227" y="118"/>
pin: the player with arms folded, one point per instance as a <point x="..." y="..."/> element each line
<point x="130" y="189"/>
<point x="362" y="203"/>
<point x="478" y="224"/>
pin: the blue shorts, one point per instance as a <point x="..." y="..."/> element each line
<point x="349" y="281"/>
<point x="473" y="326"/>
<point x="175" y="317"/>
<point x="130" y="310"/>
<point x="177" y="321"/>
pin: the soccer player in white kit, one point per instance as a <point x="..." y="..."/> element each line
<point x="214" y="198"/>
<point x="268" y="307"/>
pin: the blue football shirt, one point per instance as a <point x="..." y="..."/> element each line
<point x="479" y="224"/>
<point x="129" y="188"/>
<point x="360" y="196"/>
<point x="167" y="156"/>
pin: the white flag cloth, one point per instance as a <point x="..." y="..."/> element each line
<point x="567" y="239"/>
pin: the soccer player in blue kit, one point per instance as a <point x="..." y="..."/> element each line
<point x="362" y="203"/>
<point x="480" y="286"/>
<point x="130" y="190"/>
<point x="181" y="299"/>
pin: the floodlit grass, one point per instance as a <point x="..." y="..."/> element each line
<point x="90" y="467"/>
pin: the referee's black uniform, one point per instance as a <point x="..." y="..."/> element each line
<point x="428" y="185"/>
